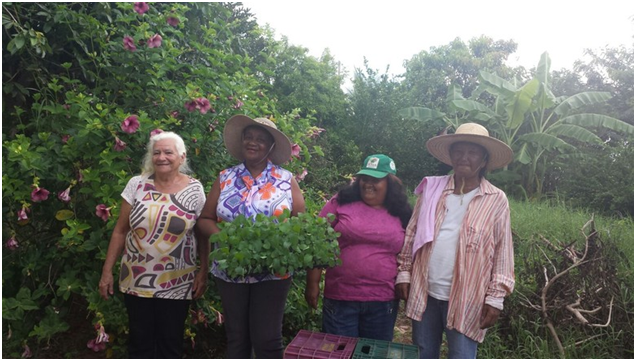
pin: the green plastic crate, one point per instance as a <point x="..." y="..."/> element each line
<point x="370" y="349"/>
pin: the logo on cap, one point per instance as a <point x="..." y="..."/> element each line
<point x="373" y="163"/>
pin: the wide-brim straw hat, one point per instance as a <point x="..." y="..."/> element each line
<point x="499" y="153"/>
<point x="233" y="138"/>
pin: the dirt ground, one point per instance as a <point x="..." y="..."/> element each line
<point x="402" y="331"/>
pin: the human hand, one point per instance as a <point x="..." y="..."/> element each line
<point x="489" y="316"/>
<point x="200" y="284"/>
<point x="312" y="291"/>
<point x="106" y="285"/>
<point x="402" y="291"/>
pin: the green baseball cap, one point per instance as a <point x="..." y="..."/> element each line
<point x="378" y="166"/>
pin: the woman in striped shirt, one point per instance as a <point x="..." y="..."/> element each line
<point x="457" y="262"/>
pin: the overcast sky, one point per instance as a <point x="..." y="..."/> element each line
<point x="389" y="32"/>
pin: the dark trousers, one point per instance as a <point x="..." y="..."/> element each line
<point x="156" y="327"/>
<point x="254" y="317"/>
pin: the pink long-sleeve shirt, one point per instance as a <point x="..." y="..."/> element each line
<point x="370" y="240"/>
<point x="484" y="263"/>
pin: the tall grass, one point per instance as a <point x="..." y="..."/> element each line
<point x="521" y="332"/>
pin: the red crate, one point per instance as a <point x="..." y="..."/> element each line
<point x="317" y="345"/>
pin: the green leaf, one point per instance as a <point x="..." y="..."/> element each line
<point x="601" y="121"/>
<point x="547" y="141"/>
<point x="581" y="99"/>
<point x="64" y="214"/>
<point x="543" y="69"/>
<point x="496" y="85"/>
<point x="472" y="106"/>
<point x="574" y="131"/>
<point x="521" y="103"/>
<point x="420" y="113"/>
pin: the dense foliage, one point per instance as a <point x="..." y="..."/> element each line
<point x="277" y="244"/>
<point x="85" y="84"/>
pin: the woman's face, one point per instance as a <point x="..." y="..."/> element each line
<point x="165" y="157"/>
<point x="373" y="190"/>
<point x="256" y="144"/>
<point x="467" y="159"/>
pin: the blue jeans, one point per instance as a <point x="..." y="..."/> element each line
<point x="427" y="334"/>
<point x="374" y="320"/>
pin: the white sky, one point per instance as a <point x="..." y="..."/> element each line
<point x="389" y="32"/>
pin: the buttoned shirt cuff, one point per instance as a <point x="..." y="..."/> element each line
<point x="495" y="302"/>
<point x="403" y="277"/>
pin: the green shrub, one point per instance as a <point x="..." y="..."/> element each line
<point x="79" y="105"/>
<point x="278" y="244"/>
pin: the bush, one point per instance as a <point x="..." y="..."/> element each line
<point x="85" y="84"/>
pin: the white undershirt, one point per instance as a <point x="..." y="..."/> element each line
<point x="442" y="262"/>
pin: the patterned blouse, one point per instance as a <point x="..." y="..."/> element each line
<point x="269" y="193"/>
<point x="161" y="249"/>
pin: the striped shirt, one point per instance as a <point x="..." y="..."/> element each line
<point x="484" y="262"/>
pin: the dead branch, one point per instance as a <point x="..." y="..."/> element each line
<point x="609" y="317"/>
<point x="551" y="281"/>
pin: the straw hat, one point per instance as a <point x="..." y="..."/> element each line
<point x="233" y="138"/>
<point x="499" y="153"/>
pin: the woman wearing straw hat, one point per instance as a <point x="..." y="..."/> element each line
<point x="457" y="263"/>
<point x="253" y="305"/>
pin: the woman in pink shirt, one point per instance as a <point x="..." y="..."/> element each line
<point x="370" y="215"/>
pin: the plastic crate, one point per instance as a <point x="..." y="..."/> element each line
<point x="370" y="349"/>
<point x="317" y="345"/>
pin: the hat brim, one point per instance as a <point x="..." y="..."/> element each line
<point x="499" y="153"/>
<point x="373" y="173"/>
<point x="233" y="135"/>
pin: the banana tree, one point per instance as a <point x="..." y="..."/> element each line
<point x="530" y="119"/>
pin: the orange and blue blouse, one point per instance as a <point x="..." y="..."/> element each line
<point x="270" y="193"/>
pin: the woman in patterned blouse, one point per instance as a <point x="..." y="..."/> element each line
<point x="155" y="230"/>
<point x="253" y="305"/>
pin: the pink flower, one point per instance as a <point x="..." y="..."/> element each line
<point x="130" y="124"/>
<point x="39" y="194"/>
<point x="219" y="318"/>
<point x="191" y="105"/>
<point x="119" y="145"/>
<point x="295" y="150"/>
<point x="12" y="243"/>
<point x="314" y="132"/>
<point x="102" y="336"/>
<point x="96" y="346"/>
<point x="172" y="21"/>
<point x="22" y="214"/>
<point x="154" y="41"/>
<point x="66" y="106"/>
<point x="300" y="177"/>
<point x="64" y="196"/>
<point x="174" y="114"/>
<point x="129" y="43"/>
<point x="65" y="138"/>
<point x="141" y="8"/>
<point x="203" y="104"/>
<point x="238" y="104"/>
<point x="27" y="352"/>
<point x="155" y="132"/>
<point x="102" y="212"/>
